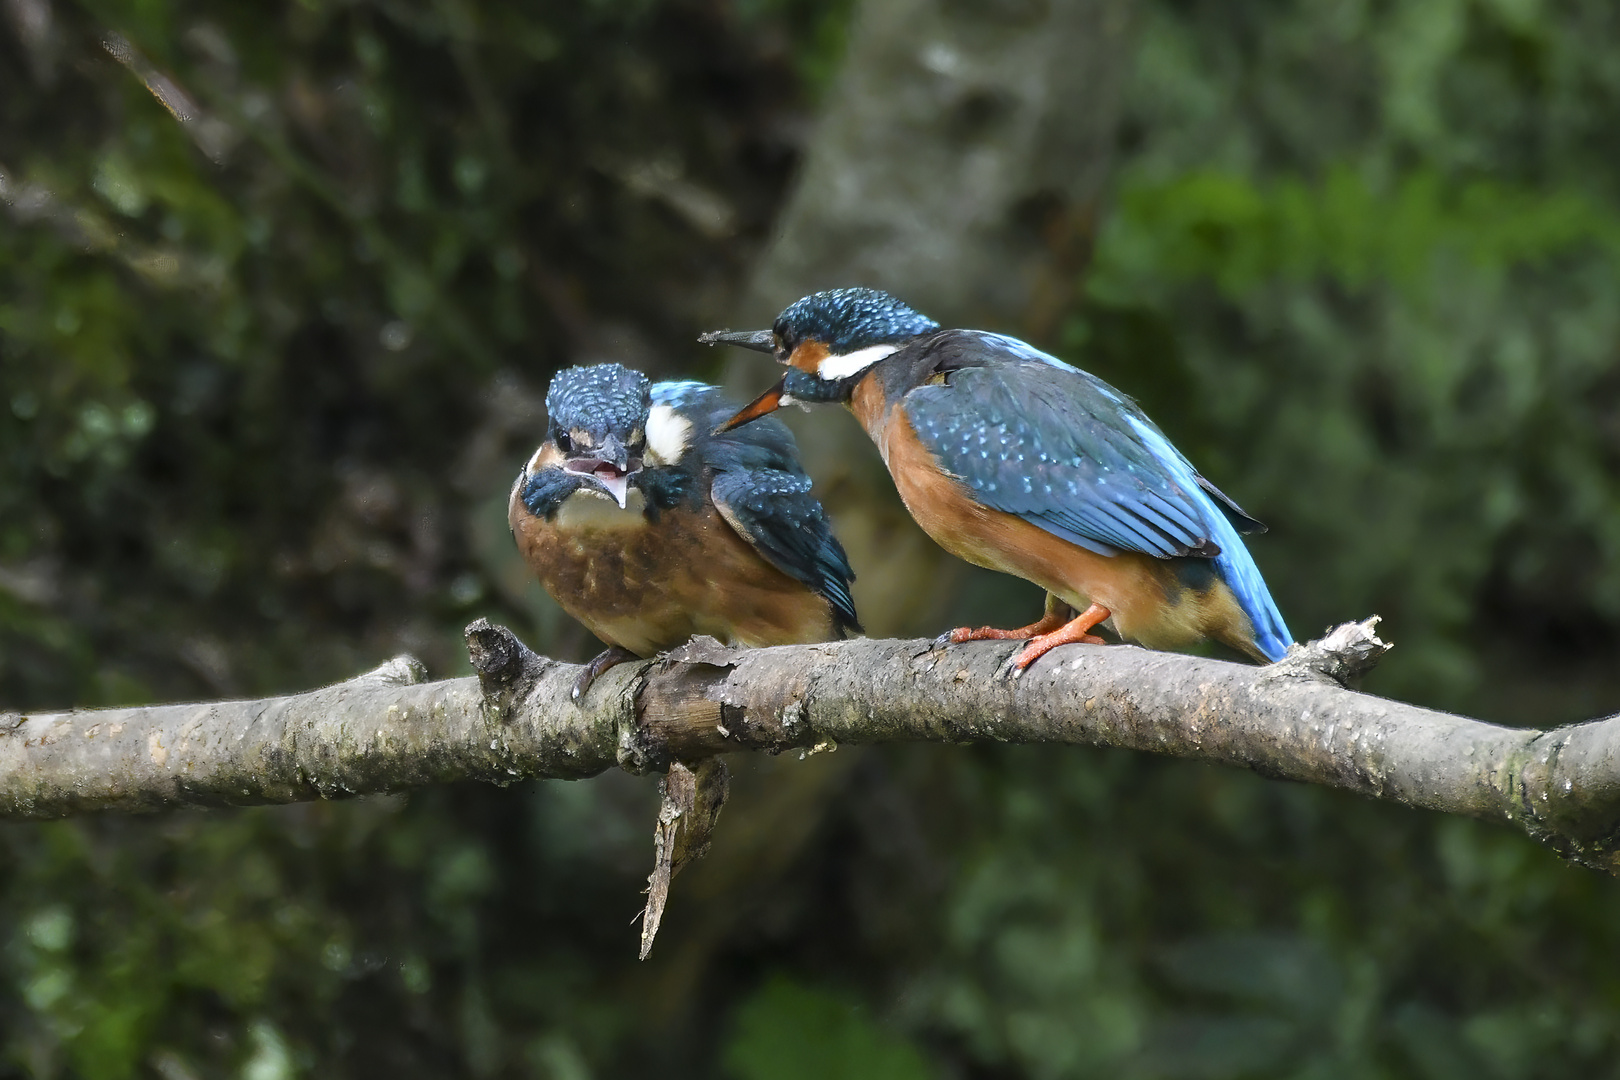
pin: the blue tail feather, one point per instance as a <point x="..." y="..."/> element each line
<point x="1236" y="567"/>
<point x="1234" y="564"/>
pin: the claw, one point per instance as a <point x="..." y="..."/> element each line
<point x="1054" y="629"/>
<point x="931" y="646"/>
<point x="610" y="657"/>
<point x="1046" y="625"/>
<point x="1075" y="631"/>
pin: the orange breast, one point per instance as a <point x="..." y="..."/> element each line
<point x="649" y="587"/>
<point x="1146" y="597"/>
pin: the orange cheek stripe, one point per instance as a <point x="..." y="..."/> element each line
<point x="808" y="356"/>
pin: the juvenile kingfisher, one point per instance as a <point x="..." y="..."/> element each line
<point x="1013" y="460"/>
<point x="649" y="527"/>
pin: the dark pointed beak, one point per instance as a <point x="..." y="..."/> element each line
<point x="613" y="450"/>
<point x="759" y="340"/>
<point x="764" y="405"/>
<point x="609" y="466"/>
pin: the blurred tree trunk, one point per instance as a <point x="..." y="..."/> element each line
<point x="959" y="164"/>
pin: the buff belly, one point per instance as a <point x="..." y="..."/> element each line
<point x="649" y="587"/>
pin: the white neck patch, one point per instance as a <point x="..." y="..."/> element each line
<point x="842" y="367"/>
<point x="668" y="435"/>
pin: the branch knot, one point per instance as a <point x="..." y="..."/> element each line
<point x="1345" y="654"/>
<point x="506" y="667"/>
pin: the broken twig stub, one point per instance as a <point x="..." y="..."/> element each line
<point x="692" y="798"/>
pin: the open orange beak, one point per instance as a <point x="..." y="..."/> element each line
<point x="764" y="405"/>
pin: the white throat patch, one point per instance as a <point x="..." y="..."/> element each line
<point x="842" y="367"/>
<point x="668" y="435"/>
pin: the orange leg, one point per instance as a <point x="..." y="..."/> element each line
<point x="1077" y="630"/>
<point x="1048" y="623"/>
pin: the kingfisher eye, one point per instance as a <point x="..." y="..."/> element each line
<point x="564" y="443"/>
<point x="782" y="352"/>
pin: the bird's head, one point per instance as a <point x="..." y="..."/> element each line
<point x="597" y="419"/>
<point x="827" y="341"/>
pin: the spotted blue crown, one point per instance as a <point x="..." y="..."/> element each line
<point x="601" y="398"/>
<point x="850" y="319"/>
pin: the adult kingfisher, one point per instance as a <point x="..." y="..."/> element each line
<point x="1016" y="461"/>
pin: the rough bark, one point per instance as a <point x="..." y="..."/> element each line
<point x="386" y="730"/>
<point x="389" y="731"/>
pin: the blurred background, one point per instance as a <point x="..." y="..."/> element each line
<point x="282" y="285"/>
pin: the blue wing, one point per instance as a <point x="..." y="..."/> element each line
<point x="1057" y="447"/>
<point x="774" y="511"/>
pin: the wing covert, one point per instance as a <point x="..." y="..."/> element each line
<point x="774" y="511"/>
<point x="1063" y="450"/>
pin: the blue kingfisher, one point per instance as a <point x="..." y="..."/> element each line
<point x="649" y="527"/>
<point x="1013" y="460"/>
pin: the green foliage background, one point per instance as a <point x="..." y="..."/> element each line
<point x="270" y="355"/>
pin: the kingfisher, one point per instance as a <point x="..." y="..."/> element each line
<point x="649" y="527"/>
<point x="1014" y="460"/>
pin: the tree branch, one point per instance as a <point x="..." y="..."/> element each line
<point x="390" y="731"/>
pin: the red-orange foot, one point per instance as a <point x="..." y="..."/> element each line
<point x="1047" y="624"/>
<point x="1076" y="630"/>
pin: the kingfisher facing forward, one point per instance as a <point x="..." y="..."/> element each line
<point x="648" y="527"/>
<point x="1013" y="460"/>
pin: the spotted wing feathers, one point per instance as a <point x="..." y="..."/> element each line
<point x="1052" y="445"/>
<point x="774" y="511"/>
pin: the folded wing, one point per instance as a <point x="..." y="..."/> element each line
<point x="1063" y="450"/>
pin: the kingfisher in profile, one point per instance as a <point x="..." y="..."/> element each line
<point x="649" y="527"/>
<point x="1014" y="460"/>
